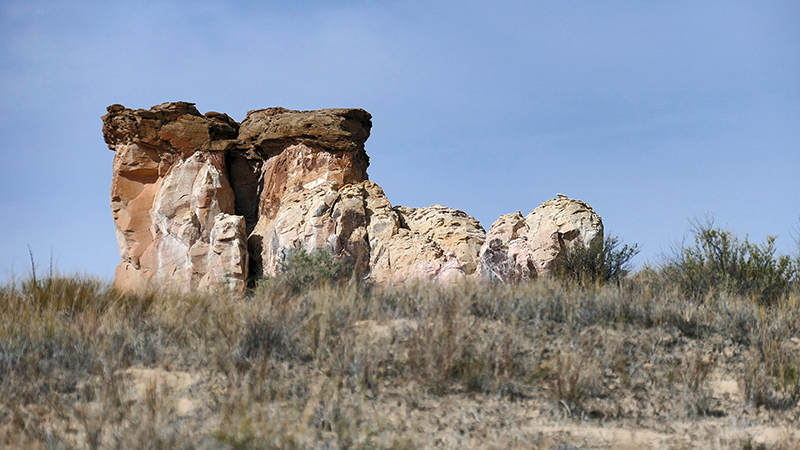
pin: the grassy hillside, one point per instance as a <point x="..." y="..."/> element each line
<point x="700" y="352"/>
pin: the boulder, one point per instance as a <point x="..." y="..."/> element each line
<point x="557" y="224"/>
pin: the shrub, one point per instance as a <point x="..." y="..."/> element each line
<point x="600" y="262"/>
<point x="303" y="270"/>
<point x="721" y="261"/>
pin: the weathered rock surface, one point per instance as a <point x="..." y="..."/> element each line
<point x="202" y="201"/>
<point x="505" y="255"/>
<point x="325" y="217"/>
<point x="356" y="222"/>
<point x="404" y="245"/>
<point x="557" y="224"/>
<point x="169" y="194"/>
<point x="518" y="249"/>
<point x="459" y="235"/>
<point x="302" y="159"/>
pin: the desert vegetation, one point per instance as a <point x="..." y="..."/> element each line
<point x="702" y="351"/>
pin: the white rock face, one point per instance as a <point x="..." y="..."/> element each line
<point x="505" y="255"/>
<point x="557" y="224"/>
<point x="196" y="238"/>
<point x="227" y="256"/>
<point x="459" y="235"/>
<point x="430" y="244"/>
<point x="518" y="249"/>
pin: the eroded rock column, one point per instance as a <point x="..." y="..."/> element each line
<point x="169" y="192"/>
<point x="308" y="188"/>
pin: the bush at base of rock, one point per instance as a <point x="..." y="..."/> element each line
<point x="303" y="270"/>
<point x="598" y="263"/>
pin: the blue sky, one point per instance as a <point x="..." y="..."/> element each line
<point x="652" y="112"/>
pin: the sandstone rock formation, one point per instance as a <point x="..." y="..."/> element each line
<point x="460" y="236"/>
<point x="505" y="255"/>
<point x="304" y="158"/>
<point x="518" y="248"/>
<point x="202" y="201"/>
<point x="431" y="244"/>
<point x="170" y="198"/>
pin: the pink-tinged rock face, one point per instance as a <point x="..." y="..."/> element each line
<point x="169" y="192"/>
<point x="505" y="255"/>
<point x="305" y="157"/>
<point x="301" y="168"/>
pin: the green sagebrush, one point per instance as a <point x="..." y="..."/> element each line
<point x="303" y="270"/>
<point x="719" y="260"/>
<point x="602" y="261"/>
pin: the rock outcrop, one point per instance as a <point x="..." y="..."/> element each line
<point x="171" y="200"/>
<point x="201" y="201"/>
<point x="505" y="255"/>
<point x="431" y="244"/>
<point x="304" y="159"/>
<point x="518" y="249"/>
<point x="459" y="235"/>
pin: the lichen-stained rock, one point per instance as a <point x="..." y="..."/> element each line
<point x="505" y="255"/>
<point x="169" y="184"/>
<point x="519" y="249"/>
<point x="455" y="232"/>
